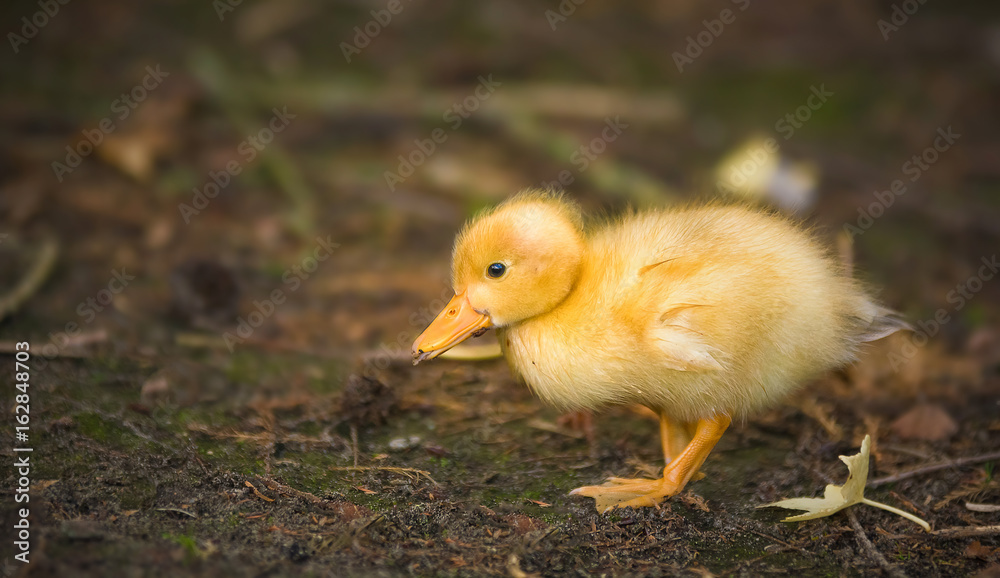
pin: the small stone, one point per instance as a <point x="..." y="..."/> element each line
<point x="400" y="444"/>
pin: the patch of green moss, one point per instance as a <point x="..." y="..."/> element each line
<point x="102" y="430"/>
<point x="187" y="542"/>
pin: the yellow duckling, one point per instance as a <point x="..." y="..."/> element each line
<point x="703" y="314"/>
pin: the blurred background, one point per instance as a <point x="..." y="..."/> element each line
<point x="222" y="224"/>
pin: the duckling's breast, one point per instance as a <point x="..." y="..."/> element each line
<point x="570" y="371"/>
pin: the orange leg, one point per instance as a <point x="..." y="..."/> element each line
<point x="623" y="492"/>
<point x="675" y="436"/>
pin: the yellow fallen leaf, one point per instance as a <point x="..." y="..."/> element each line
<point x="836" y="498"/>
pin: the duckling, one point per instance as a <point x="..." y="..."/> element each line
<point x="704" y="314"/>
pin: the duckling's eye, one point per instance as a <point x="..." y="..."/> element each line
<point x="496" y="270"/>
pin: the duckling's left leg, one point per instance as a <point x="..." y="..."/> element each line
<point x="675" y="436"/>
<point x="622" y="492"/>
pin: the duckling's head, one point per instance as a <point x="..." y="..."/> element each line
<point x="511" y="263"/>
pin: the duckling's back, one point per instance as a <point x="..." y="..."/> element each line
<point x="701" y="311"/>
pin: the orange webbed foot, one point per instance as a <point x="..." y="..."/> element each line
<point x="636" y="493"/>
<point x="629" y="493"/>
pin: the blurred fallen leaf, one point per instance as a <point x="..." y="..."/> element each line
<point x="160" y="232"/>
<point x="539" y="503"/>
<point x="977" y="550"/>
<point x="928" y="422"/>
<point x="365" y="490"/>
<point x="133" y="154"/>
<point x="836" y="498"/>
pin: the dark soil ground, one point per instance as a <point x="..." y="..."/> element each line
<point x="199" y="376"/>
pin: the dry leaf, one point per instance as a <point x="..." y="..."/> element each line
<point x="836" y="498"/>
<point x="539" y="503"/>
<point x="928" y="422"/>
<point x="977" y="550"/>
<point x="365" y="490"/>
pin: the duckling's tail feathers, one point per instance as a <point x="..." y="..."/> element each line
<point x="885" y="322"/>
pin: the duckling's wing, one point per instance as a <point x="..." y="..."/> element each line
<point x="676" y="329"/>
<point x="683" y="347"/>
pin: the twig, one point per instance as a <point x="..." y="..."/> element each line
<point x="934" y="468"/>
<point x="781" y="542"/>
<point x="276" y="486"/>
<point x="194" y="454"/>
<point x="257" y="492"/>
<point x="33" y="280"/>
<point x="870" y="548"/>
<point x="409" y="472"/>
<point x="966" y="532"/>
<point x="177" y="511"/>
<point x="69" y="349"/>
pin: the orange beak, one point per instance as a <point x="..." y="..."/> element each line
<point x="458" y="322"/>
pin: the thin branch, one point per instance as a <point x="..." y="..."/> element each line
<point x="870" y="548"/>
<point x="32" y="280"/>
<point x="967" y="532"/>
<point x="408" y="472"/>
<point x="934" y="468"/>
<point x="277" y="486"/>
